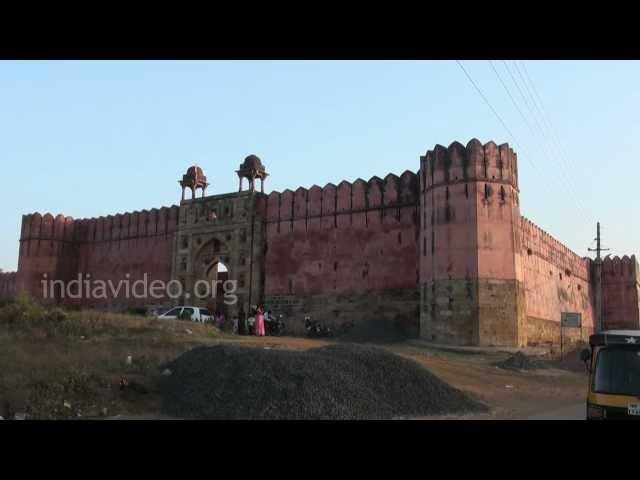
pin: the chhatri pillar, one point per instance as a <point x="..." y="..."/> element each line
<point x="193" y="179"/>
<point x="251" y="169"/>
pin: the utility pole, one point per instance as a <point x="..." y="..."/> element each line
<point x="598" y="280"/>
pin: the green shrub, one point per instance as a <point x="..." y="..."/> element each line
<point x="55" y="315"/>
<point x="47" y="394"/>
<point x="22" y="313"/>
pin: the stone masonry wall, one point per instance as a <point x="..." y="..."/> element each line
<point x="449" y="312"/>
<point x="468" y="273"/>
<point x="120" y="247"/>
<point x="621" y="292"/>
<point x="397" y="308"/>
<point x="7" y="285"/>
<point x="355" y="240"/>
<point x="555" y="280"/>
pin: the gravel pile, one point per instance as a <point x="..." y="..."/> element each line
<point x="335" y="382"/>
<point x="520" y="361"/>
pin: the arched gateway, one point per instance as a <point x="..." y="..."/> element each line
<point x="219" y="247"/>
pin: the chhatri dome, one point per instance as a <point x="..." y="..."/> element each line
<point x="251" y="169"/>
<point x="194" y="179"/>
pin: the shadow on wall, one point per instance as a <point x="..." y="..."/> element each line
<point x="381" y="330"/>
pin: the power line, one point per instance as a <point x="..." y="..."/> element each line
<point x="515" y="104"/>
<point x="566" y="178"/>
<point x="547" y="123"/>
<point x="485" y="100"/>
<point x="547" y="119"/>
<point x="542" y="116"/>
<point x="567" y="184"/>
<point x="508" y="92"/>
<point x="493" y="110"/>
<point x="517" y="144"/>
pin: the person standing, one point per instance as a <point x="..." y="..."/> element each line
<point x="267" y="323"/>
<point x="242" y="317"/>
<point x="260" y="322"/>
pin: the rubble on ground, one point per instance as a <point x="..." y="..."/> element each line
<point x="519" y="361"/>
<point x="344" y="381"/>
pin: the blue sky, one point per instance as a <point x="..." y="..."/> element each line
<point x="95" y="138"/>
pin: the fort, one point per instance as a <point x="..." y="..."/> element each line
<point x="442" y="253"/>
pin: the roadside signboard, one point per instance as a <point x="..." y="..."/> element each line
<point x="571" y="320"/>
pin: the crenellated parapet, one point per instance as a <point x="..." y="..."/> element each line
<point x="622" y="269"/>
<point x="122" y="226"/>
<point x="45" y="227"/>
<point x="621" y="292"/>
<point x="537" y="242"/>
<point x="475" y="162"/>
<point x="347" y="197"/>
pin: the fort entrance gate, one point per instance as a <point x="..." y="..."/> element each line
<point x="221" y="230"/>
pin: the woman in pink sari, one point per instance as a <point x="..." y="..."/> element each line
<point x="260" y="322"/>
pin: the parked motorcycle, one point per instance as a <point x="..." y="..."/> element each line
<point x="316" y="329"/>
<point x="275" y="327"/>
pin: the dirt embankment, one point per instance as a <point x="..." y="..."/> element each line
<point x="68" y="365"/>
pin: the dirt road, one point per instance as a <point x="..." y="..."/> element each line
<point x="511" y="394"/>
<point x="572" y="412"/>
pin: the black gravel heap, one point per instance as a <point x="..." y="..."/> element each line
<point x="519" y="361"/>
<point x="336" y="382"/>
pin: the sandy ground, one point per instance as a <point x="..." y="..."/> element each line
<point x="572" y="412"/>
<point x="510" y="394"/>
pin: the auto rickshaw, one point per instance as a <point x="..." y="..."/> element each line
<point x="613" y="363"/>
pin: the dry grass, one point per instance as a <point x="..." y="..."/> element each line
<point x="57" y="364"/>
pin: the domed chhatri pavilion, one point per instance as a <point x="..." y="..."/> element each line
<point x="440" y="251"/>
<point x="251" y="169"/>
<point x="194" y="179"/>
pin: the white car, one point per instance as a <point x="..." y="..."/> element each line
<point x="201" y="315"/>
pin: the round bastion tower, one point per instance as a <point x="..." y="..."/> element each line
<point x="470" y="292"/>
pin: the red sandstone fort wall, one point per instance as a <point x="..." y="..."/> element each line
<point x="46" y="248"/>
<point x="555" y="280"/>
<point x="105" y="248"/>
<point x="469" y="195"/>
<point x="355" y="238"/>
<point x="469" y="203"/>
<point x="7" y="285"/>
<point x="620" y="292"/>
